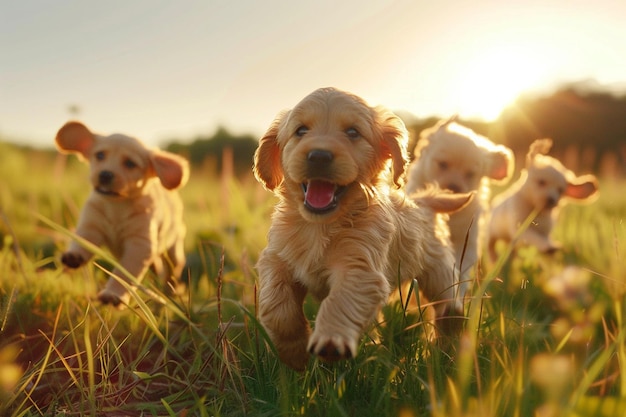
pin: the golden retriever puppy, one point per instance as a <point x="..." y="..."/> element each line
<point x="543" y="187"/>
<point x="341" y="231"/>
<point x="133" y="208"/>
<point x="458" y="159"/>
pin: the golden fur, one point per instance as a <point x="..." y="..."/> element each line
<point x="458" y="159"/>
<point x="543" y="187"/>
<point x="133" y="208"/>
<point x="340" y="232"/>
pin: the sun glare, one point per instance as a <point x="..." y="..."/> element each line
<point x="495" y="78"/>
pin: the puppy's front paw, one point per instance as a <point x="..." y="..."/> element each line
<point x="332" y="347"/>
<point x="293" y="353"/>
<point x="451" y="322"/>
<point x="72" y="260"/>
<point x="109" y="297"/>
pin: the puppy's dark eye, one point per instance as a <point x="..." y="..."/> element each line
<point x="129" y="164"/>
<point x="443" y="165"/>
<point x="100" y="155"/>
<point x="352" y="133"/>
<point x="541" y="182"/>
<point x="301" y="131"/>
<point x="470" y="175"/>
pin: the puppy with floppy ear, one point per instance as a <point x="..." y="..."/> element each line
<point x="543" y="188"/>
<point x="133" y="208"/>
<point x="341" y="231"/>
<point x="458" y="159"/>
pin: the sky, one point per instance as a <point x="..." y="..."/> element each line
<point x="164" y="70"/>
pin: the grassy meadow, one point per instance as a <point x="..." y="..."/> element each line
<point x="544" y="335"/>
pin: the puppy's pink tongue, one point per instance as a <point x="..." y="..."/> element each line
<point x="319" y="194"/>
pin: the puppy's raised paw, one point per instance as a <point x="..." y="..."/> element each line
<point x="72" y="260"/>
<point x="333" y="348"/>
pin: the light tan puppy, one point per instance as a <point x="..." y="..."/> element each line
<point x="458" y="159"/>
<point x="543" y="187"/>
<point x="339" y="231"/>
<point x="133" y="208"/>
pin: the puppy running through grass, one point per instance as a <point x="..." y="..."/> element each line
<point x="133" y="208"/>
<point x="543" y="187"/>
<point x="341" y="231"/>
<point x="458" y="159"/>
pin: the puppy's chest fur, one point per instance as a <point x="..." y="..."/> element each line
<point x="543" y="222"/>
<point x="316" y="251"/>
<point x="523" y="207"/>
<point x="150" y="217"/>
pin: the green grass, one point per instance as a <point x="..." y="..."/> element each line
<point x="544" y="335"/>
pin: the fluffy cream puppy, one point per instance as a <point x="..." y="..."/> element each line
<point x="543" y="188"/>
<point x="458" y="159"/>
<point x="133" y="209"/>
<point x="341" y="231"/>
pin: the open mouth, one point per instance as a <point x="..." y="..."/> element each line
<point x="321" y="196"/>
<point x="105" y="191"/>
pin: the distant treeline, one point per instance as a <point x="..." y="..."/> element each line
<point x="587" y="124"/>
<point x="209" y="151"/>
<point x="588" y="127"/>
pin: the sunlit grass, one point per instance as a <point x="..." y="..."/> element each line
<point x="544" y="334"/>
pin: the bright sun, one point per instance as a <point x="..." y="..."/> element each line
<point x="495" y="78"/>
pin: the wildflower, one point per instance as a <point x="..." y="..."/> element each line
<point x="552" y="373"/>
<point x="570" y="289"/>
<point x="10" y="373"/>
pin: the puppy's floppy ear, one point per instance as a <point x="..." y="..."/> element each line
<point x="501" y="163"/>
<point x="267" y="166"/>
<point x="581" y="188"/>
<point x="445" y="122"/>
<point x="172" y="170"/>
<point x="395" y="139"/>
<point x="538" y="147"/>
<point x="74" y="137"/>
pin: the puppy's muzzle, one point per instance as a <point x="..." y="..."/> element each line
<point x="320" y="195"/>
<point x="551" y="202"/>
<point x="319" y="158"/>
<point x="105" y="183"/>
<point x="105" y="178"/>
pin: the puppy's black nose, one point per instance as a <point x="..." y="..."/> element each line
<point x="105" y="177"/>
<point x="551" y="202"/>
<point x="319" y="157"/>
